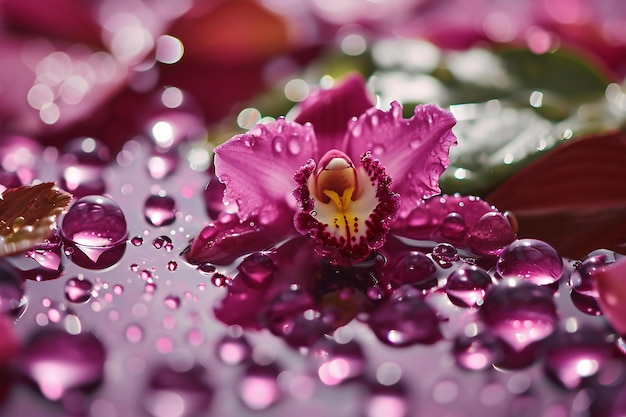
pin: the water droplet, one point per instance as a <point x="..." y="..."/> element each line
<point x="519" y="313"/>
<point x="219" y="280"/>
<point x="95" y="228"/>
<point x="453" y="226"/>
<point x="78" y="290"/>
<point x="136" y="241"/>
<point x="59" y="362"/>
<point x="413" y="268"/>
<point x="467" y="285"/>
<point x="233" y="350"/>
<point x="11" y="290"/>
<point x="531" y="260"/>
<point x="293" y="145"/>
<point x="172" y="266"/>
<point x="584" y="293"/>
<point x="336" y="363"/>
<point x="163" y="242"/>
<point x="257" y="270"/>
<point x="572" y="357"/>
<point x="173" y="393"/>
<point x="160" y="210"/>
<point x="259" y="389"/>
<point x="172" y="302"/>
<point x="476" y="352"/>
<point x="278" y="144"/>
<point x="405" y="319"/>
<point x="491" y="234"/>
<point x="445" y="254"/>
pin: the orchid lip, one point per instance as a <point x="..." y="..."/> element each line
<point x="346" y="208"/>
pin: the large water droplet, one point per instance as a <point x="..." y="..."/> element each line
<point x="572" y="357"/>
<point x="59" y="362"/>
<point x="413" y="268"/>
<point x="491" y="234"/>
<point x="278" y="144"/>
<point x="257" y="270"/>
<point x="584" y="293"/>
<point x="160" y="210"/>
<point x="78" y="290"/>
<point x="532" y="260"/>
<point x="82" y="163"/>
<point x="259" y="389"/>
<point x="94" y="229"/>
<point x="453" y="226"/>
<point x="172" y="393"/>
<point x="467" y="285"/>
<point x="519" y="313"/>
<point x="405" y="319"/>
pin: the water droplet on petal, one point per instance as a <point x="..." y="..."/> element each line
<point x="78" y="290"/>
<point x="160" y="210"/>
<point x="259" y="389"/>
<point x="95" y="229"/>
<point x="445" y="254"/>
<point x="257" y="270"/>
<point x="467" y="285"/>
<point x="584" y="293"/>
<point x="519" y="313"/>
<point x="59" y="362"/>
<point x="491" y="234"/>
<point x="531" y="260"/>
<point x="405" y="319"/>
<point x="453" y="226"/>
<point x="278" y="144"/>
<point x="163" y="242"/>
<point x="172" y="393"/>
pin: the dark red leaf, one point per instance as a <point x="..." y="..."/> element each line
<point x="573" y="198"/>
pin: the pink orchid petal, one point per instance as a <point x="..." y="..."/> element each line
<point x="227" y="238"/>
<point x="414" y="151"/>
<point x="329" y="111"/>
<point x="610" y="283"/>
<point x="257" y="168"/>
<point x="446" y="218"/>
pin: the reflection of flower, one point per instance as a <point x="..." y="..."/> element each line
<point x="382" y="165"/>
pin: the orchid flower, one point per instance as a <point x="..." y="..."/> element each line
<point x="342" y="173"/>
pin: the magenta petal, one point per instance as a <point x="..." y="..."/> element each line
<point x="228" y="238"/>
<point x="610" y="283"/>
<point x="414" y="151"/>
<point x="329" y="111"/>
<point x="257" y="168"/>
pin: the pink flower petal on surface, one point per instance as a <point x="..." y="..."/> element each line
<point x="329" y="111"/>
<point x="414" y="151"/>
<point x="227" y="238"/>
<point x="257" y="168"/>
<point x="610" y="283"/>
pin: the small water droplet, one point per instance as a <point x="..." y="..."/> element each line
<point x="78" y="290"/>
<point x="413" y="268"/>
<point x="172" y="266"/>
<point x="531" y="260"/>
<point x="11" y="289"/>
<point x="257" y="270"/>
<point x="136" y="241"/>
<point x="219" y="280"/>
<point x="293" y="145"/>
<point x="160" y="210"/>
<point x="445" y="254"/>
<point x="172" y="302"/>
<point x="467" y="285"/>
<point x="163" y="242"/>
<point x="278" y="144"/>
